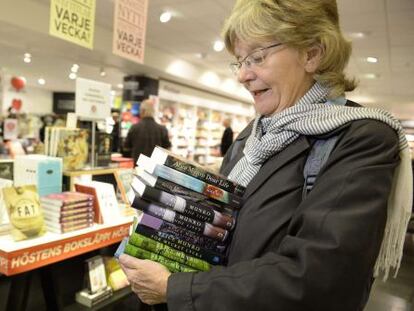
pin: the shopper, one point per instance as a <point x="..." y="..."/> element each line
<point x="146" y="134"/>
<point x="290" y="253"/>
<point x="227" y="138"/>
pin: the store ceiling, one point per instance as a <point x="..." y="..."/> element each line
<point x="388" y="26"/>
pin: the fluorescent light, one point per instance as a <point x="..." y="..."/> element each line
<point x="218" y="46"/>
<point x="165" y="17"/>
<point x="27" y="60"/>
<point x="72" y="76"/>
<point x="41" y="81"/>
<point x="370" y="76"/>
<point x="27" y="55"/>
<point x="120" y="86"/>
<point x="357" y="35"/>
<point x="371" y="59"/>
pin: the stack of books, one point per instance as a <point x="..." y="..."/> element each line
<point x="188" y="212"/>
<point x="67" y="211"/>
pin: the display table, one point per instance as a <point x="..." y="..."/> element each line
<point x="22" y="256"/>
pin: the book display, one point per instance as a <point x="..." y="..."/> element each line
<point x="187" y="215"/>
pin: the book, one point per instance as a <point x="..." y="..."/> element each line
<point x="103" y="149"/>
<point x="66" y="213"/>
<point x="55" y="207"/>
<point x="6" y="169"/>
<point x="175" y="242"/>
<point x="25" y="214"/>
<point x="63" y="219"/>
<point x="181" y="233"/>
<point x="123" y="179"/>
<point x="189" y="182"/>
<point x="61" y="230"/>
<point x="159" y="248"/>
<point x="183" y="221"/>
<point x="173" y="188"/>
<point x="88" y="189"/>
<point x="66" y="198"/>
<point x="68" y="224"/>
<point x="179" y="204"/>
<point x="167" y="158"/>
<point x="72" y="146"/>
<point x="171" y="265"/>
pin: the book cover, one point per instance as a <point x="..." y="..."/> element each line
<point x="175" y="242"/>
<point x="183" y="221"/>
<point x="167" y="158"/>
<point x="173" y="188"/>
<point x="168" y="252"/>
<point x="6" y="169"/>
<point x="189" y="182"/>
<point x="24" y="212"/>
<point x="66" y="198"/>
<point x="123" y="179"/>
<point x="171" y="265"/>
<point x="72" y="146"/>
<point x="98" y="218"/>
<point x="103" y="149"/>
<point x="180" y="204"/>
<point x="181" y="233"/>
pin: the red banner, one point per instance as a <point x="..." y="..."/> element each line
<point x="30" y="258"/>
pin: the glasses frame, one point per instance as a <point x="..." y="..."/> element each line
<point x="249" y="60"/>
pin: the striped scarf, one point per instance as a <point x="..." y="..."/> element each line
<point x="312" y="115"/>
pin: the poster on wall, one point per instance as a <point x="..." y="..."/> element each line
<point x="130" y="23"/>
<point x="73" y="20"/>
<point x="92" y="99"/>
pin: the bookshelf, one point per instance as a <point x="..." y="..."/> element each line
<point x="195" y="131"/>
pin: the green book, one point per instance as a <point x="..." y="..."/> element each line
<point x="171" y="265"/>
<point x="168" y="252"/>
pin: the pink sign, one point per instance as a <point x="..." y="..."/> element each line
<point x="130" y="24"/>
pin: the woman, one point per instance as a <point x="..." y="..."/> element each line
<point x="289" y="253"/>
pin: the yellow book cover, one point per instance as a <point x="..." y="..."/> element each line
<point x="25" y="214"/>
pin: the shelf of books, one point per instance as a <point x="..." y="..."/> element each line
<point x="196" y="131"/>
<point x="54" y="247"/>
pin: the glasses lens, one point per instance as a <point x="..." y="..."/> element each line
<point x="234" y="67"/>
<point x="256" y="58"/>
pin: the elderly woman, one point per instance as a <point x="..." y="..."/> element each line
<point x="290" y="252"/>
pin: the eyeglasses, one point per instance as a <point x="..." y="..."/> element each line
<point x="255" y="58"/>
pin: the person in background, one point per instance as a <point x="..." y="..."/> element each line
<point x="293" y="250"/>
<point x="116" y="137"/>
<point x="146" y="134"/>
<point x="227" y="138"/>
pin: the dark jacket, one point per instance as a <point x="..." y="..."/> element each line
<point x="226" y="140"/>
<point x="292" y="255"/>
<point x="144" y="136"/>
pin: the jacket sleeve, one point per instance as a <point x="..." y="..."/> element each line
<point x="325" y="258"/>
<point x="165" y="139"/>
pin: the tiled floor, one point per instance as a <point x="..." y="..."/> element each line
<point x="396" y="294"/>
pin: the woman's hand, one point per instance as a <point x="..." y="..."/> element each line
<point x="148" y="279"/>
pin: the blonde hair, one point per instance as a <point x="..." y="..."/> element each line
<point x="147" y="108"/>
<point x="299" y="24"/>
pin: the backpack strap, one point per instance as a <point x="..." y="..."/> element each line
<point x="318" y="155"/>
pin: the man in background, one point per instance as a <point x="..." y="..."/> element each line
<point x="227" y="138"/>
<point x="146" y="134"/>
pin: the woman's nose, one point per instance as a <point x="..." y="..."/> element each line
<point x="245" y="74"/>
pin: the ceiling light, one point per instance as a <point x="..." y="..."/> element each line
<point x="165" y="17"/>
<point x="218" y="46"/>
<point x="371" y="59"/>
<point x="102" y="72"/>
<point x="357" y="35"/>
<point x="41" y="81"/>
<point x="201" y="55"/>
<point x="120" y="86"/>
<point x="72" y="76"/>
<point x="371" y="76"/>
<point x="27" y="58"/>
<point x="113" y="93"/>
<point x="75" y="68"/>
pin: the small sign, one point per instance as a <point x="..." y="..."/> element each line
<point x="11" y="129"/>
<point x="130" y="23"/>
<point x="73" y="21"/>
<point x="93" y="99"/>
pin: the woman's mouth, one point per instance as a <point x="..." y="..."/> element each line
<point x="258" y="93"/>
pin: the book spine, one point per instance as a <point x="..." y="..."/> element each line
<point x="181" y="245"/>
<point x="188" y="208"/>
<point x="199" y="186"/>
<point x="180" y="220"/>
<point x="168" y="252"/>
<point x="190" y="237"/>
<point x="199" y="173"/>
<point x="171" y="265"/>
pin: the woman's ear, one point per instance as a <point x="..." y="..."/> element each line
<point x="313" y="58"/>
